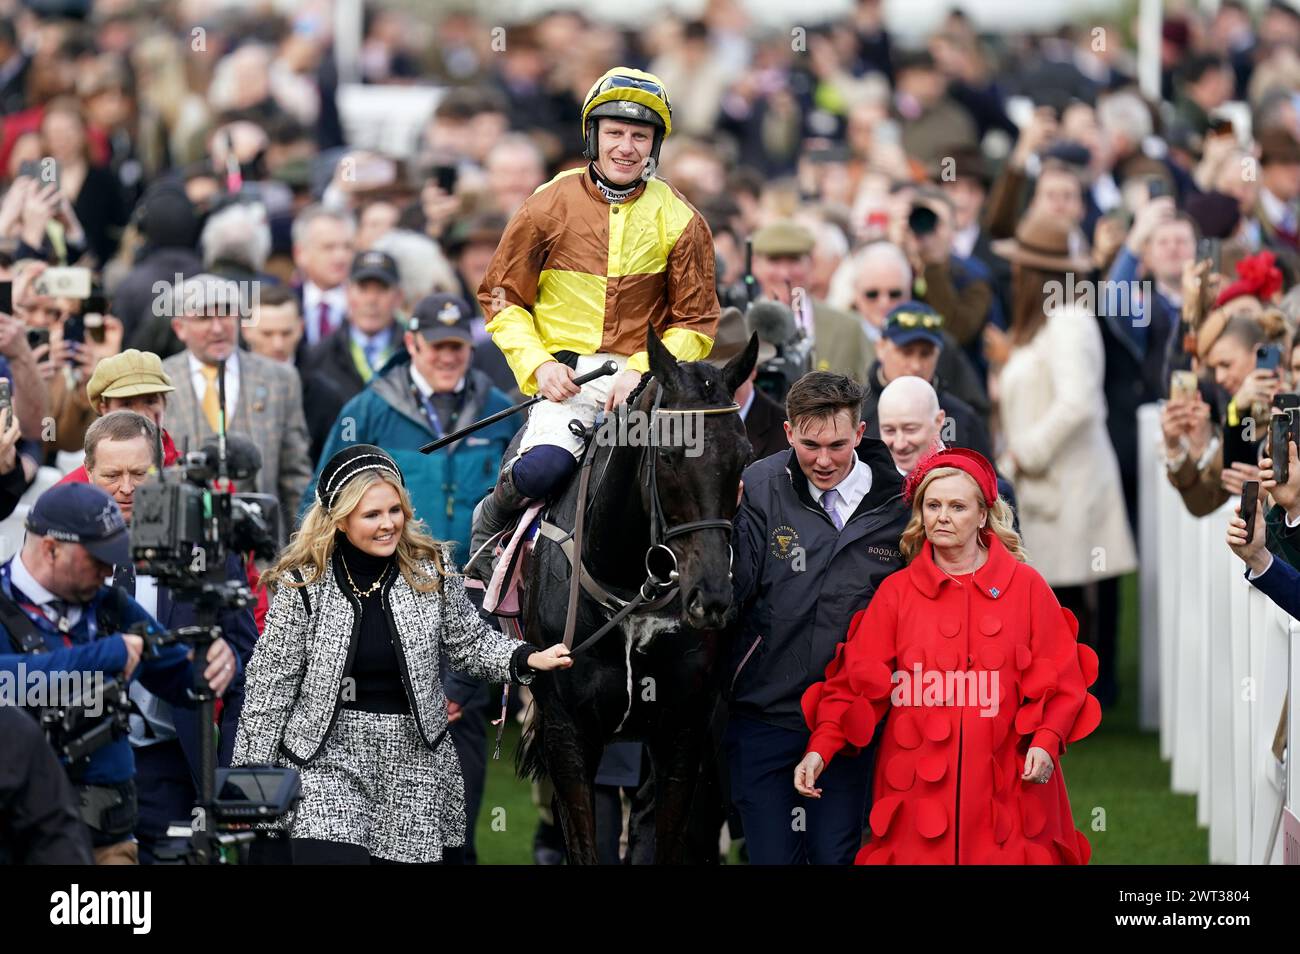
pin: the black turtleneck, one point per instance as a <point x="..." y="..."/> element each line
<point x="375" y="670"/>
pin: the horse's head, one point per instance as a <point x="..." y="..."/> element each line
<point x="696" y="473"/>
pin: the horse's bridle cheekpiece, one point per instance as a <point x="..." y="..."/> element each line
<point x="347" y="464"/>
<point x="660" y="533"/>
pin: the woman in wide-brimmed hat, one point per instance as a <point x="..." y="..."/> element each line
<point x="1057" y="451"/>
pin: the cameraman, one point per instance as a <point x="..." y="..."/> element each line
<point x="59" y="617"/>
<point x="119" y="458"/>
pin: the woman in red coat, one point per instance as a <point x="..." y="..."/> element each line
<point x="986" y="679"/>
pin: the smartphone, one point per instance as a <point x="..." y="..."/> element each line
<point x="7" y="297"/>
<point x="37" y="337"/>
<point x="6" y="404"/>
<point x="1279" y="430"/>
<point x="1212" y="249"/>
<point x="1268" y="357"/>
<point x="887" y="133"/>
<point x="922" y="220"/>
<point x="1286" y="400"/>
<point x="63" y="282"/>
<point x="74" y="336"/>
<point x="1156" y="188"/>
<point x="95" y="308"/>
<point x="1182" y="385"/>
<point x="35" y="169"/>
<point x="1249" y="500"/>
<point x="445" y="177"/>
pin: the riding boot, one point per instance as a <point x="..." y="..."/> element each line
<point x="491" y="516"/>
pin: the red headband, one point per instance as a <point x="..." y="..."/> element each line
<point x="1257" y="276"/>
<point x="970" y="462"/>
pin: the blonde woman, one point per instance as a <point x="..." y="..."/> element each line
<point x="986" y="682"/>
<point x="344" y="680"/>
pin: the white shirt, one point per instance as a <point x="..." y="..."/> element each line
<point x="23" y="580"/>
<point x="855" y="486"/>
<point x="963" y="240"/>
<point x="336" y="299"/>
<point x="1279" y="213"/>
<point x="426" y="389"/>
<point x="232" y="382"/>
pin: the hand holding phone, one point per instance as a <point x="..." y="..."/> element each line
<point x="1249" y="503"/>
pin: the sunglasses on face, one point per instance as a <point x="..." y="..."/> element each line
<point x="893" y="294"/>
<point x="916" y="319"/>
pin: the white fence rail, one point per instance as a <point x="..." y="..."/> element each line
<point x="1217" y="660"/>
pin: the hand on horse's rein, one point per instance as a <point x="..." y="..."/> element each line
<point x="554" y="657"/>
<point x="624" y="385"/>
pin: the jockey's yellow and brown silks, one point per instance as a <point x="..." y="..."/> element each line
<point x="574" y="272"/>
<point x="629" y="85"/>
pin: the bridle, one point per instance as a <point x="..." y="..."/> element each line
<point x="660" y="531"/>
<point x="660" y="584"/>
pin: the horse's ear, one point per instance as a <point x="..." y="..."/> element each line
<point x="737" y="371"/>
<point x="662" y="363"/>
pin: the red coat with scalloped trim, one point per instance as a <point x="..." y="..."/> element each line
<point x="975" y="671"/>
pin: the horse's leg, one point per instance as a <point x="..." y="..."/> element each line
<point x="571" y="765"/>
<point x="680" y="748"/>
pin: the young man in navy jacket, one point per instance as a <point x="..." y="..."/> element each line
<point x="817" y="531"/>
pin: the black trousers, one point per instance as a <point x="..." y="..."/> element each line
<point x="166" y="793"/>
<point x="1096" y="606"/>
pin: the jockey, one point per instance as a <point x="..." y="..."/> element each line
<point x="589" y="261"/>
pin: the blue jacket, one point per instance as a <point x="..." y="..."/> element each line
<point x="168" y="675"/>
<point x="1281" y="584"/>
<point x="445" y="486"/>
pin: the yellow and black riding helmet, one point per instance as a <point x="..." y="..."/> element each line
<point x="632" y="96"/>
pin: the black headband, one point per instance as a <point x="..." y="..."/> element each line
<point x="347" y="464"/>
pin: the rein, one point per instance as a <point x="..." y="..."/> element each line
<point x="660" y="584"/>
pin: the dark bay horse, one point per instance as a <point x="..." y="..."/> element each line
<point x="655" y="677"/>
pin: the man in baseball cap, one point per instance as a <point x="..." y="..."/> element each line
<point x="339" y="366"/>
<point x="63" y="620"/>
<point x="909" y="346"/>
<point x="130" y="381"/>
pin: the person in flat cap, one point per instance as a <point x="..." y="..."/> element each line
<point x="337" y="368"/>
<point x="344" y="681"/>
<point x="130" y="381"/>
<point x="59" y="617"/>
<point x="783" y="269"/>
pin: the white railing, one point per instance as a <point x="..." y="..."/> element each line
<point x="1217" y="661"/>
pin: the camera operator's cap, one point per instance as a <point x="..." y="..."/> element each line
<point x="731" y="339"/>
<point x="442" y="316"/>
<point x="349" y="462"/>
<point x="84" y="514"/>
<point x="913" y="321"/>
<point x="783" y="238"/>
<point x="128" y="374"/>
<point x="374" y="264"/>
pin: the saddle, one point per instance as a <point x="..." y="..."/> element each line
<point x="514" y="546"/>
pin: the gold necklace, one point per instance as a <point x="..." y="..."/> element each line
<point x="362" y="594"/>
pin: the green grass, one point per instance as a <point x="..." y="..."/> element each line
<point x="1117" y="769"/>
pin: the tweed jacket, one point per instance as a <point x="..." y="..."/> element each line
<point x="268" y="412"/>
<point x="294" y="686"/>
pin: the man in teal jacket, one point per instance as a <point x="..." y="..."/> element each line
<point x="422" y="393"/>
